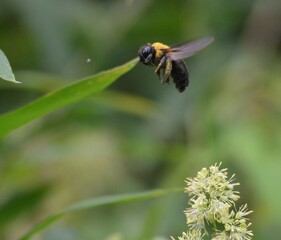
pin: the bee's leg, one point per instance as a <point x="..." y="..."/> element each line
<point x="162" y="61"/>
<point x="167" y="72"/>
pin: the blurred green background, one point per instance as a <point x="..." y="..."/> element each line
<point x="138" y="135"/>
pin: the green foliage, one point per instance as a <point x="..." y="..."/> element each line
<point x="61" y="98"/>
<point x="135" y="134"/>
<point x="97" y="202"/>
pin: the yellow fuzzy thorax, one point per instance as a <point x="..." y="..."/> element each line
<point x="158" y="47"/>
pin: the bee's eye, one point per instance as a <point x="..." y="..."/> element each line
<point x="146" y="53"/>
<point x="146" y="50"/>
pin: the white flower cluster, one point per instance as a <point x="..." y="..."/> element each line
<point x="213" y="203"/>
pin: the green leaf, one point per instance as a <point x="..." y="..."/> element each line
<point x="41" y="83"/>
<point x="96" y="202"/>
<point x="61" y="98"/>
<point x="6" y="72"/>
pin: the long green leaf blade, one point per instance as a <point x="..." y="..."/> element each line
<point x="96" y="202"/>
<point x="61" y="98"/>
<point x="42" y="225"/>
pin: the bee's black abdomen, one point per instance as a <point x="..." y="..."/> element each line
<point x="180" y="75"/>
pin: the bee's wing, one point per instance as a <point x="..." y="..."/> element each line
<point x="186" y="50"/>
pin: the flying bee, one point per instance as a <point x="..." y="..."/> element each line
<point x="169" y="59"/>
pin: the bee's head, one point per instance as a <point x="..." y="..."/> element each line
<point x="146" y="54"/>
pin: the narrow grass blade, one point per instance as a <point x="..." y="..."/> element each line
<point x="96" y="202"/>
<point x="42" y="225"/>
<point x="61" y="98"/>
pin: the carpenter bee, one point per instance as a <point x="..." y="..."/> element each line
<point x="169" y="58"/>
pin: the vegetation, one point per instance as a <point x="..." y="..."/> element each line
<point x="80" y="132"/>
